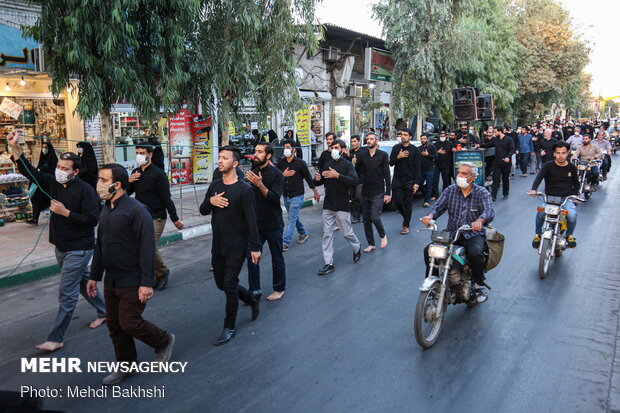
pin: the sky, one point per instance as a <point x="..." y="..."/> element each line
<point x="597" y="20"/>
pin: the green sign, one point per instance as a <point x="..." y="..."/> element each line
<point x="474" y="156"/>
<point x="378" y="64"/>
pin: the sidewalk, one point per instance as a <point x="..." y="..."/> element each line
<point x="18" y="239"/>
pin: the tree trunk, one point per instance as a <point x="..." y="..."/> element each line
<point x="107" y="137"/>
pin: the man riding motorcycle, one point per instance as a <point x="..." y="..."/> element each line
<point x="589" y="152"/>
<point x="467" y="204"/>
<point x="561" y="180"/>
<point x="605" y="147"/>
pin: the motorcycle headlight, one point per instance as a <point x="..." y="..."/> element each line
<point x="438" y="251"/>
<point x="582" y="167"/>
<point x="552" y="209"/>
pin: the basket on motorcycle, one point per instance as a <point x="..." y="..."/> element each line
<point x="495" y="243"/>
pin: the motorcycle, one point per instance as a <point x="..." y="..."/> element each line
<point x="614" y="140"/>
<point x="583" y="168"/>
<point x="553" y="239"/>
<point x="454" y="285"/>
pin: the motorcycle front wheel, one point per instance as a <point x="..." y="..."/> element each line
<point x="546" y="255"/>
<point x="426" y="323"/>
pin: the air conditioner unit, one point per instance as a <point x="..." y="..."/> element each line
<point x="355" y="91"/>
<point x="332" y="54"/>
<point x="37" y="59"/>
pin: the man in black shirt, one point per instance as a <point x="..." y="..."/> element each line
<point x="504" y="148"/>
<point x="443" y="164"/>
<point x="465" y="138"/>
<point x="151" y="186"/>
<point x="568" y="130"/>
<point x="267" y="182"/>
<point x="326" y="154"/>
<point x="546" y="146"/>
<point x="295" y="171"/>
<point x="75" y="209"/>
<point x="356" y="193"/>
<point x="428" y="154"/>
<point x="233" y="205"/>
<point x="338" y="176"/>
<point x="515" y="138"/>
<point x="374" y="171"/>
<point x="405" y="158"/>
<point x="562" y="180"/>
<point x="125" y="251"/>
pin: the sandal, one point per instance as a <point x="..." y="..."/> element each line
<point x="405" y="231"/>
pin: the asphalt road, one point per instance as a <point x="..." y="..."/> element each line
<point x="344" y="342"/>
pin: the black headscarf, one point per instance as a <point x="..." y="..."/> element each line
<point x="272" y="135"/>
<point x="158" y="154"/>
<point x="47" y="163"/>
<point x="88" y="164"/>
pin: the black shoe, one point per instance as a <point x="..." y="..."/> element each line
<point x="355" y="221"/>
<point x="225" y="337"/>
<point x="536" y="241"/>
<point x="357" y="255"/>
<point x="493" y="198"/>
<point x="255" y="304"/>
<point x="163" y="281"/>
<point x="505" y="196"/>
<point x="327" y="269"/>
<point x="257" y="294"/>
<point x="163" y="354"/>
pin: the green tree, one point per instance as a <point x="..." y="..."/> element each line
<point x="132" y="49"/>
<point x="166" y="53"/>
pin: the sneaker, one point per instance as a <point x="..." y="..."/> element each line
<point x="536" y="241"/>
<point x="284" y="247"/>
<point x="326" y="269"/>
<point x="302" y="238"/>
<point x="571" y="241"/>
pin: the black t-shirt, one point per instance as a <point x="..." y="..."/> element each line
<point x="268" y="210"/>
<point x="234" y="226"/>
<point x="294" y="185"/>
<point x="406" y="170"/>
<point x="560" y="181"/>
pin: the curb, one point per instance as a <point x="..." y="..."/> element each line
<point x="49" y="270"/>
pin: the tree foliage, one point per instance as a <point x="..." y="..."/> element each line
<point x="120" y="49"/>
<point x="161" y="54"/>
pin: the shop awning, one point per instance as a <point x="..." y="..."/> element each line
<point x="311" y="94"/>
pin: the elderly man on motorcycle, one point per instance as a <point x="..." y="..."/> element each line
<point x="589" y="152"/>
<point x="467" y="204"/>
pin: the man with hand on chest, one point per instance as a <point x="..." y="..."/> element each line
<point x="150" y="184"/>
<point x="267" y="182"/>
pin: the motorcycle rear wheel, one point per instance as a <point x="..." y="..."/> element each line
<point x="426" y="325"/>
<point x="545" y="258"/>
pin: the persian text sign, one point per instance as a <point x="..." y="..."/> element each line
<point x="302" y="125"/>
<point x="10" y="108"/>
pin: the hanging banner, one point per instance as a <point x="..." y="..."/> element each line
<point x="203" y="152"/>
<point x="378" y="64"/>
<point x="302" y="126"/>
<point x="180" y="130"/>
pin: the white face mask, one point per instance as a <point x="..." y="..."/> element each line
<point x="335" y="154"/>
<point x="80" y="150"/>
<point x="45" y="151"/>
<point x="442" y="139"/>
<point x="288" y="152"/>
<point x="141" y="160"/>
<point x="62" y="177"/>
<point x="462" y="182"/>
<point x="104" y="191"/>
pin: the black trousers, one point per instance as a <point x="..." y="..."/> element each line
<point x="124" y="318"/>
<point x="475" y="248"/>
<point x="501" y="173"/>
<point x="372" y="206"/>
<point x="402" y="197"/>
<point x="443" y="172"/>
<point x="356" y="202"/>
<point x="226" y="274"/>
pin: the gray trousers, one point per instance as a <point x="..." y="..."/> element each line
<point x="74" y="276"/>
<point x="331" y="220"/>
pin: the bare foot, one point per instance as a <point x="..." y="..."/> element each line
<point x="97" y="322"/>
<point x="276" y="295"/>
<point x="50" y="346"/>
<point x="384" y="242"/>
<point x="369" y="248"/>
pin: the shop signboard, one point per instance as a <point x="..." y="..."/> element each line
<point x="15" y="51"/>
<point x="11" y="108"/>
<point x="474" y="156"/>
<point x="180" y="130"/>
<point x="203" y="152"/>
<point x="378" y="64"/>
<point x="302" y="125"/>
